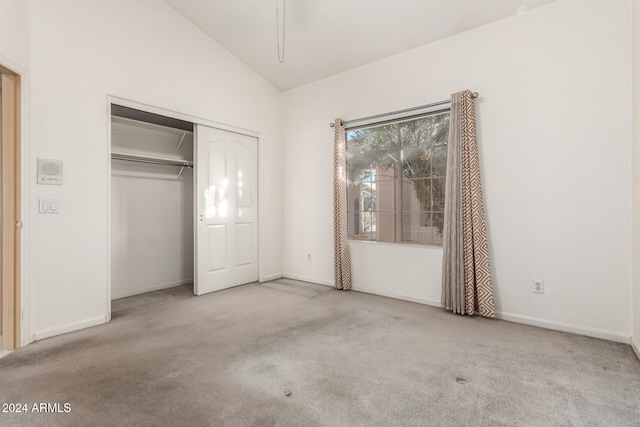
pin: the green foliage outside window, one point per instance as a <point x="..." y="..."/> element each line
<point x="396" y="171"/>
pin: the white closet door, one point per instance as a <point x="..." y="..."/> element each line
<point x="227" y="209"/>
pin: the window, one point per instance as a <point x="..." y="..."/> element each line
<point x="396" y="176"/>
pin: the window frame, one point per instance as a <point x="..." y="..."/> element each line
<point x="398" y="212"/>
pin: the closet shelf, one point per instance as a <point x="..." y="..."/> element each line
<point x="152" y="160"/>
<point x="147" y="125"/>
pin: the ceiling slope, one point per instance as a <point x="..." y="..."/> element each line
<point x="325" y="37"/>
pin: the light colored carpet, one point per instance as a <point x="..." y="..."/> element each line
<point x="292" y="353"/>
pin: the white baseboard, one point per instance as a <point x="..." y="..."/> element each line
<point x="635" y="348"/>
<point x="566" y="327"/>
<point x="271" y="277"/>
<point x="580" y="330"/>
<point x="532" y="321"/>
<point x="309" y="279"/>
<point x="398" y="296"/>
<point x="330" y="283"/>
<point x="150" y="289"/>
<point x="69" y="327"/>
<point x="364" y="290"/>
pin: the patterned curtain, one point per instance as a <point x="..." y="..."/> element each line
<point x="466" y="274"/>
<point x="341" y="255"/>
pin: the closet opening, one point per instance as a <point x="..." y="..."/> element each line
<point x="152" y="202"/>
<point x="183" y="202"/>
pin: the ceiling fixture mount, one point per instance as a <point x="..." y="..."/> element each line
<point x="284" y="13"/>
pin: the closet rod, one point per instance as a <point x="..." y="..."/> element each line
<point x="152" y="160"/>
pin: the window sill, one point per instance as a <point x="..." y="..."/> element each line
<point x="396" y="244"/>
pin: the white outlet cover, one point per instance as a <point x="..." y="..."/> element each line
<point x="538" y="286"/>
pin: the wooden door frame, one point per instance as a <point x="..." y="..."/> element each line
<point x="10" y="149"/>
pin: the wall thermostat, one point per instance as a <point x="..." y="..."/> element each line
<point x="49" y="171"/>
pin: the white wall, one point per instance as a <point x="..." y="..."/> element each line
<point x="554" y="135"/>
<point x="14" y="34"/>
<point x="635" y="184"/>
<point x="143" y="51"/>
<point x="151" y="212"/>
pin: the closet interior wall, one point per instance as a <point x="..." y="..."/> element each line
<point x="151" y="208"/>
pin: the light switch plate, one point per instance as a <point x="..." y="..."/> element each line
<point x="49" y="206"/>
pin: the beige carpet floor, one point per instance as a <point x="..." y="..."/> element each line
<point x="289" y="353"/>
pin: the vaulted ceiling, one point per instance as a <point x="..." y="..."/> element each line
<point x="324" y="37"/>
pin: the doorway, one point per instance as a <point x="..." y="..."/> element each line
<point x="10" y="313"/>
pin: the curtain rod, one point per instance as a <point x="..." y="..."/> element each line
<point x="435" y="104"/>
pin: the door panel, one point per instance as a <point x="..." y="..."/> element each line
<point x="246" y="176"/>
<point x="243" y="245"/>
<point x="217" y="242"/>
<point x="227" y="207"/>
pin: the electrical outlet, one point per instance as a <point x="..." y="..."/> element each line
<point x="538" y="286"/>
<point x="309" y="257"/>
